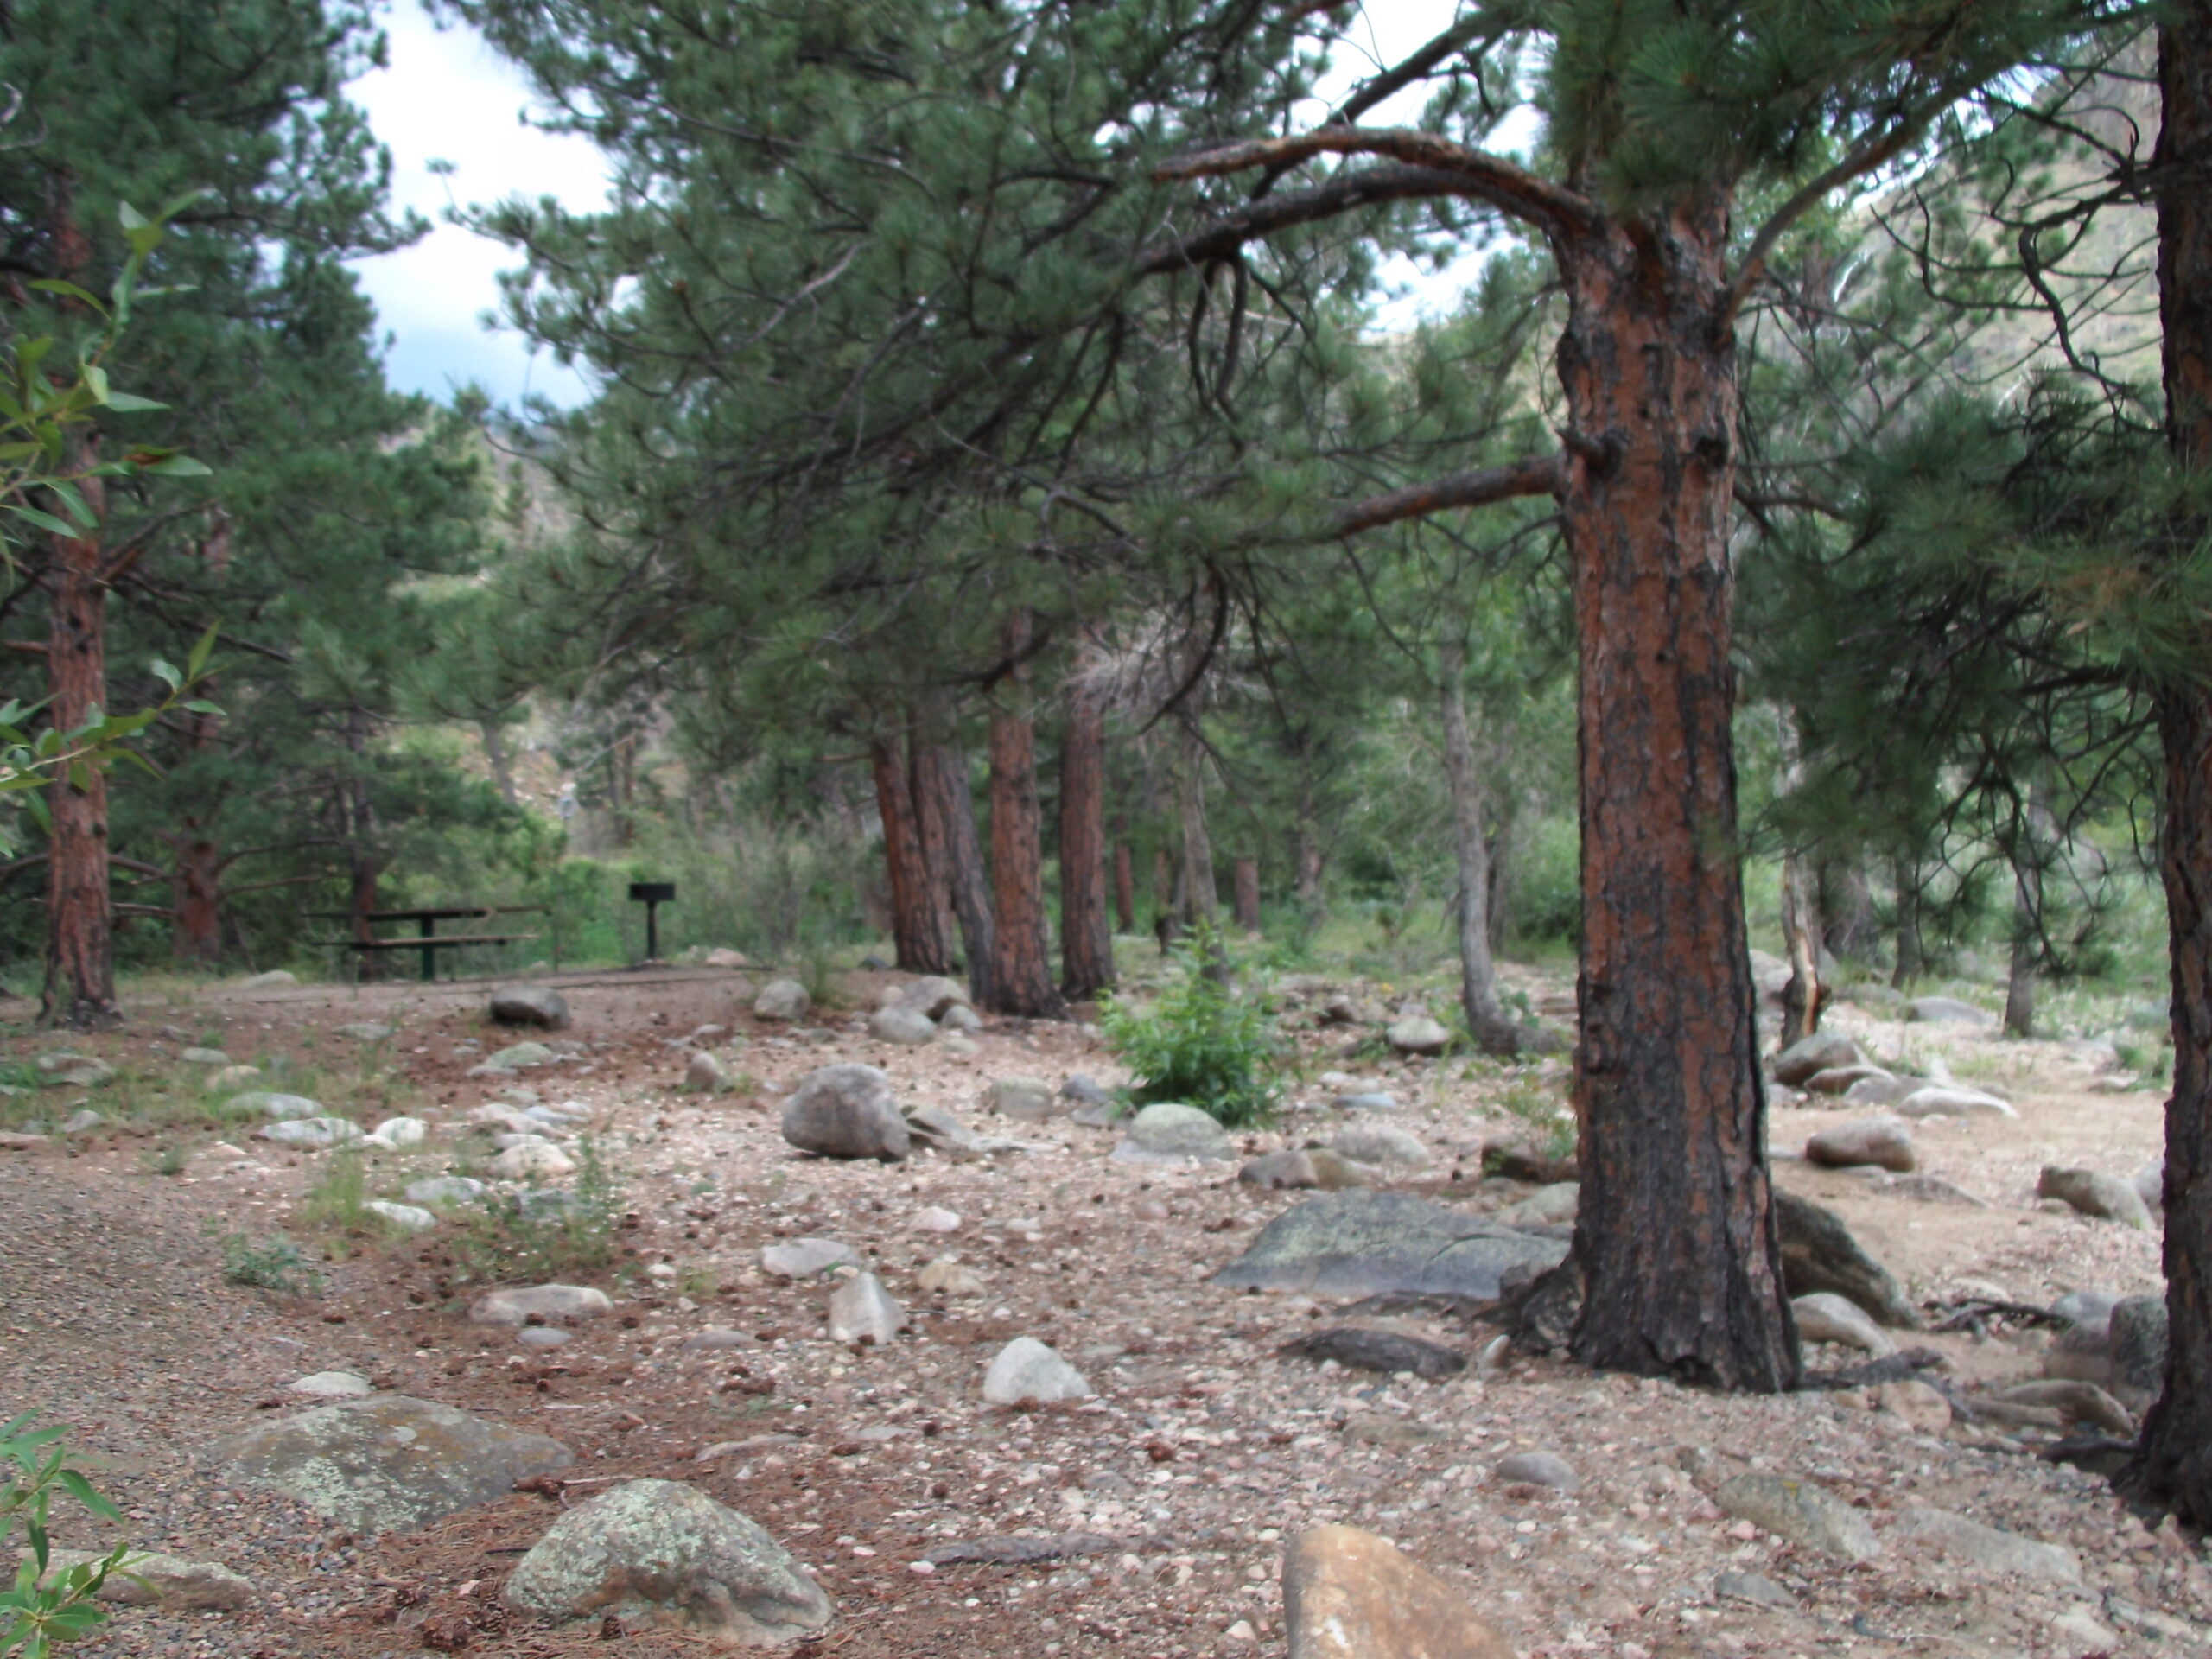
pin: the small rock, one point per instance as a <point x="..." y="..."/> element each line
<point x="723" y="956"/>
<point x="81" y="1121"/>
<point x="1826" y="1316"/>
<point x="937" y="1128"/>
<point x="1824" y="1051"/>
<point x="935" y="1219"/>
<point x="1369" y="1100"/>
<point x="932" y="996"/>
<point x="1750" y="1587"/>
<point x="1379" y="1143"/>
<point x="229" y="1079"/>
<point x="406" y="1217"/>
<point x="275" y="979"/>
<point x="909" y="1028"/>
<point x="398" y="1132"/>
<point x="862" y="1311"/>
<point x="1948" y="1011"/>
<point x="529" y="1005"/>
<point x="2150" y="1184"/>
<point x="1841" y="1079"/>
<point x="958" y="1046"/>
<point x="1883" y="1140"/>
<point x="545" y="1301"/>
<point x="1941" y="1100"/>
<point x="1081" y="1091"/>
<point x="782" y="999"/>
<point x="278" y="1106"/>
<point x="961" y="1019"/>
<point x="662" y="1553"/>
<point x="1025" y="1099"/>
<point x="1882" y="1091"/>
<point x="333" y="1385"/>
<point x="1991" y="1548"/>
<point x="313" y="1133"/>
<point x="532" y="1158"/>
<point x="948" y="1276"/>
<point x="1289" y="1170"/>
<point x="1932" y="1189"/>
<point x="1801" y="1512"/>
<point x="366" y="1031"/>
<point x="2139" y="1339"/>
<point x="1025" y="1370"/>
<point x="706" y="1074"/>
<point x="1169" y="1132"/>
<point x="1538" y="1469"/>
<point x="1917" y="1404"/>
<point x="1418" y="1035"/>
<point x="444" y="1189"/>
<point x="541" y="1335"/>
<point x="204" y="1057"/>
<point x="804" y="1258"/>
<point x="1554" y="1202"/>
<point x="1349" y="1594"/>
<point x="2095" y="1193"/>
<point x="1819" y="1253"/>
<point x="847" y="1112"/>
<point x="1384" y="1429"/>
<point x="2084" y="1636"/>
<point x="518" y="1057"/>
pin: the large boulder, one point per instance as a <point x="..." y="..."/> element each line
<point x="932" y="996"/>
<point x="658" y="1552"/>
<point x="1349" y="1594"/>
<point x="1418" y="1035"/>
<point x="1379" y="1143"/>
<point x="847" y="1112"/>
<point x="781" y="999"/>
<point x="1025" y="1099"/>
<point x="909" y="1028"/>
<point x="529" y="1005"/>
<point x="1824" y="1051"/>
<point x="1949" y="1100"/>
<point x="1819" y="1253"/>
<point x="1948" y="1011"/>
<point x="1883" y="1140"/>
<point x="388" y="1462"/>
<point x="1172" y="1134"/>
<point x="1363" y="1243"/>
<point x="1801" y="1511"/>
<point x="2095" y="1193"/>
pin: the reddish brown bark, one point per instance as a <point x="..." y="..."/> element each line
<point x="2173" y="1465"/>
<point x="1201" y="898"/>
<point x="196" y="877"/>
<point x="1086" y="936"/>
<point x="1125" y="888"/>
<point x="80" y="942"/>
<point x="949" y="806"/>
<point x="1675" y="1240"/>
<point x="935" y="836"/>
<point x="1244" y="893"/>
<point x="915" y="919"/>
<point x="1021" y="960"/>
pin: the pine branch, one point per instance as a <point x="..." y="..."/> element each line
<point x="1864" y="158"/>
<point x="1537" y="476"/>
<point x="1475" y="173"/>
<point x="1257" y="219"/>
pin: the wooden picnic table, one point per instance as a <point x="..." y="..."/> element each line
<point x="427" y="937"/>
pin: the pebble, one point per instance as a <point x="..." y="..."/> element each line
<point x="936" y="1219"/>
<point x="948" y="1276"/>
<point x="862" y="1311"/>
<point x="331" y="1385"/>
<point x="1538" y="1469"/>
<point x="1027" y="1371"/>
<point x="803" y="1258"/>
<point x="407" y="1217"/>
<point x="1826" y="1316"/>
<point x="516" y="1306"/>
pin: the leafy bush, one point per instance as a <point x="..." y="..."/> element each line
<point x="540" y="1236"/>
<point x="1201" y="1043"/>
<point x="38" y="1612"/>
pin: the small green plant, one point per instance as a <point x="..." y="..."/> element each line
<point x="334" y="1204"/>
<point x="38" y="1611"/>
<point x="2152" y="1062"/>
<point x="1201" y="1042"/>
<point x="818" y="973"/>
<point x="1550" y="1120"/>
<point x="544" y="1235"/>
<point x="267" y="1264"/>
<point x="169" y="1160"/>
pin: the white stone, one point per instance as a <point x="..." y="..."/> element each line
<point x="547" y="1301"/>
<point x="1949" y="1100"/>
<point x="409" y="1216"/>
<point x="397" y="1131"/>
<point x="936" y="1219"/>
<point x="803" y="1258"/>
<point x="312" y="1133"/>
<point x="862" y="1311"/>
<point x="332" y="1385"/>
<point x="1025" y="1370"/>
<point x="532" y="1158"/>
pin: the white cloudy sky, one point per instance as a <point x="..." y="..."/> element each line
<point x="448" y="96"/>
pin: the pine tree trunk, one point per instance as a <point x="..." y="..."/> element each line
<point x="1200" y="897"/>
<point x="1802" y="998"/>
<point x="80" y="941"/>
<point x="1494" y="1031"/>
<point x="364" y="859"/>
<point x="2173" y="1465"/>
<point x="1021" y="967"/>
<point x="1086" y="935"/>
<point x="1125" y="888"/>
<point x="1499" y="845"/>
<point x="196" y="878"/>
<point x="1677" y="1240"/>
<point x="1244" y="888"/>
<point x="1912" y="960"/>
<point x="935" y="836"/>
<point x="920" y="947"/>
<point x="943" y="772"/>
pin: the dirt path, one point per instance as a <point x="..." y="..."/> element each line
<point x="1201" y="1453"/>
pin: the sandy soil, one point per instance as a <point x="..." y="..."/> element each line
<point x="1204" y="1449"/>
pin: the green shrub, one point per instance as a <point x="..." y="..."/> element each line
<point x="1201" y="1043"/>
<point x="40" y="1611"/>
<point x="507" y="1238"/>
<point x="267" y="1264"/>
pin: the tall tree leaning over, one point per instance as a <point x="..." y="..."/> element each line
<point x="2174" y="1464"/>
<point x="1659" y="120"/>
<point x="148" y="100"/>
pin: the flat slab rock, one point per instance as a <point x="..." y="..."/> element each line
<point x="387" y="1463"/>
<point x="1365" y="1350"/>
<point x="156" y="1580"/>
<point x="1365" y="1243"/>
<point x="1349" y="1594"/>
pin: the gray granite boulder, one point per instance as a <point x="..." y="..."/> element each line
<point x="1362" y="1244"/>
<point x="1819" y="1253"/>
<point x="529" y="1005"/>
<point x="389" y="1462"/>
<point x="1824" y="1051"/>
<point x="659" y="1552"/>
<point x="847" y="1112"/>
<point x="1172" y="1134"/>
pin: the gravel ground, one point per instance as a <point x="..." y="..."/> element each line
<point x="1204" y="1449"/>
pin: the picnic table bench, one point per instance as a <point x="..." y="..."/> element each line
<point x="427" y="938"/>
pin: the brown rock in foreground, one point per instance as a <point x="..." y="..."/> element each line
<point x="1348" y="1594"/>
